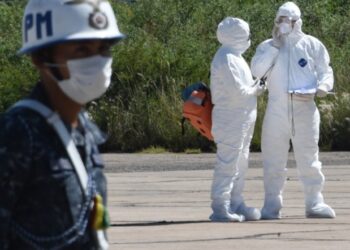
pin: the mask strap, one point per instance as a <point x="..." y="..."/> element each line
<point x="53" y="68"/>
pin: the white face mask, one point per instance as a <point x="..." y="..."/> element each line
<point x="89" y="78"/>
<point x="285" y="28"/>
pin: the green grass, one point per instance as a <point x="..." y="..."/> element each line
<point x="154" y="150"/>
<point x="193" y="151"/>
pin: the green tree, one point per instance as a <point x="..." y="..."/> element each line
<point x="170" y="45"/>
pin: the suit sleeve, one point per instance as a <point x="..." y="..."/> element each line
<point x="233" y="74"/>
<point x="263" y="59"/>
<point x="323" y="69"/>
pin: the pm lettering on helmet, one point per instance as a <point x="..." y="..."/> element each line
<point x="41" y="22"/>
<point x="47" y="22"/>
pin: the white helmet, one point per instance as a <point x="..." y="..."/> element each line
<point x="47" y="22"/>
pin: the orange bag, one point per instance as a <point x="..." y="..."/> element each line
<point x="197" y="108"/>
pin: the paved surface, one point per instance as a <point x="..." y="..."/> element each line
<point x="171" y="162"/>
<point x="153" y="208"/>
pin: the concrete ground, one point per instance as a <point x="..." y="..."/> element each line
<point x="163" y="202"/>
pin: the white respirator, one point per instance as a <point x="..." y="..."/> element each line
<point x="89" y="78"/>
<point x="285" y="28"/>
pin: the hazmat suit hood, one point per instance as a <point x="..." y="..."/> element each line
<point x="234" y="33"/>
<point x="291" y="10"/>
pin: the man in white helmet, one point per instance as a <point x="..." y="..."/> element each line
<point x="51" y="170"/>
<point x="234" y="97"/>
<point x="300" y="71"/>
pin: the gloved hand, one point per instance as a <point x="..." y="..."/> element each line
<point x="276" y="37"/>
<point x="321" y="92"/>
<point x="259" y="89"/>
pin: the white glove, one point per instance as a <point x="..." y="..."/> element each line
<point x="259" y="89"/>
<point x="276" y="37"/>
<point x="321" y="92"/>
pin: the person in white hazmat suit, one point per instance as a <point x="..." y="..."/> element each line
<point x="234" y="97"/>
<point x="299" y="70"/>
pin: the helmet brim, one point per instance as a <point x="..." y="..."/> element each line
<point x="80" y="37"/>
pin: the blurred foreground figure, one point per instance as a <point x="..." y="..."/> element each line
<point x="300" y="70"/>
<point x="54" y="190"/>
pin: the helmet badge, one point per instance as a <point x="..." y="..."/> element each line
<point x="97" y="19"/>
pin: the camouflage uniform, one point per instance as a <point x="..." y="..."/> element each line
<point x="41" y="193"/>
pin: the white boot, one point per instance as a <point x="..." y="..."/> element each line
<point x="320" y="210"/>
<point x="221" y="213"/>
<point x="272" y="208"/>
<point x="315" y="207"/>
<point x="270" y="214"/>
<point x="226" y="217"/>
<point x="250" y="213"/>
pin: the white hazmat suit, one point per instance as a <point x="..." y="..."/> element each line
<point x="301" y="64"/>
<point x="234" y="115"/>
